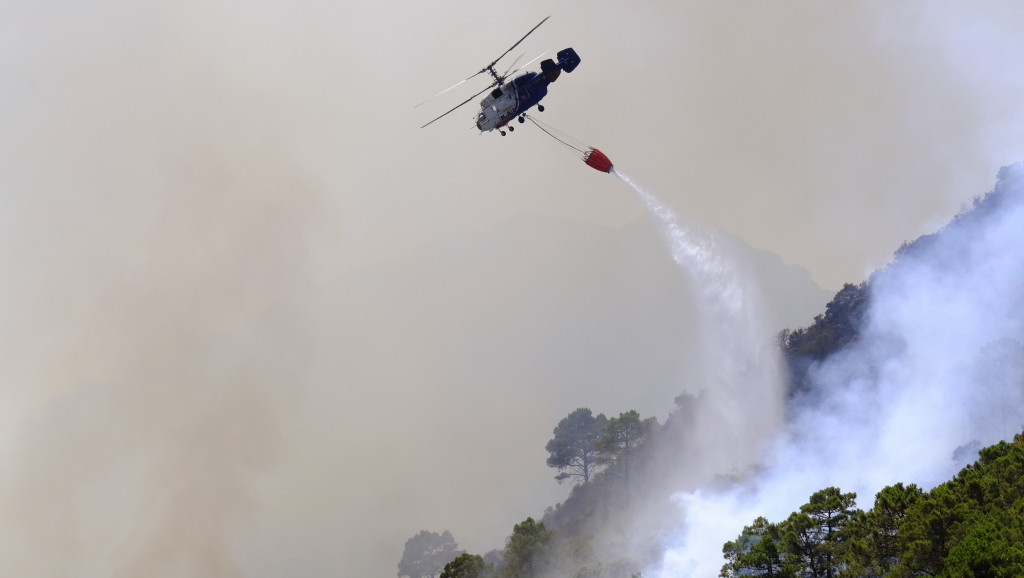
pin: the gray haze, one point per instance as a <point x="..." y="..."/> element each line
<point x="256" y="322"/>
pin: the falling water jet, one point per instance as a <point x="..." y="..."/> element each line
<point x="742" y="383"/>
<point x="741" y="391"/>
<point x="694" y="250"/>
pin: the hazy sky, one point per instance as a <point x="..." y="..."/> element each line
<point x="255" y="321"/>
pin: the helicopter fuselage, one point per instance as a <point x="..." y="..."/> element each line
<point x="510" y="100"/>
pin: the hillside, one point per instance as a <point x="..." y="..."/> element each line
<point x="900" y="379"/>
<point x="968" y="526"/>
<point x="844" y="315"/>
<point x="498" y="332"/>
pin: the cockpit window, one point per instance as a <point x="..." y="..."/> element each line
<point x="496" y="93"/>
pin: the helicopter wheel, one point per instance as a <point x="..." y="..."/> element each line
<point x="522" y="119"/>
<point x="502" y="133"/>
<point x="540" y="108"/>
<point x="511" y="128"/>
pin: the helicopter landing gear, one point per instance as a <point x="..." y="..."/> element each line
<point x="511" y="128"/>
<point x="540" y="108"/>
<point x="502" y="133"/>
<point x="522" y="119"/>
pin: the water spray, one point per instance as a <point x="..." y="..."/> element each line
<point x="742" y="392"/>
<point x="743" y="384"/>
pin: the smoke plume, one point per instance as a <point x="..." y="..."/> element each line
<point x="937" y="367"/>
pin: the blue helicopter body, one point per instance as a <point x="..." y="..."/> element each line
<point x="509" y="100"/>
<point x="514" y="98"/>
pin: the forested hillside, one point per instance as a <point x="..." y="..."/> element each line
<point x="844" y="315"/>
<point x="616" y="521"/>
<point x="972" y="525"/>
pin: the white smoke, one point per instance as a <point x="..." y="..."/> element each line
<point x="938" y="365"/>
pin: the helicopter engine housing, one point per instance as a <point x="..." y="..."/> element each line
<point x="568" y="60"/>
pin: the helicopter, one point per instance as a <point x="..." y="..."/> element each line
<point x="509" y="100"/>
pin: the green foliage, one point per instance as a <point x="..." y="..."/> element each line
<point x="972" y="525"/>
<point x="831" y="331"/>
<point x="987" y="550"/>
<point x="528" y="550"/>
<point x="839" y="325"/>
<point x="426" y="554"/>
<point x="829" y="511"/>
<point x="466" y="566"/>
<point x="810" y="542"/>
<point x="572" y="450"/>
<point x="622" y="437"/>
<point x="757" y="551"/>
<point x="623" y="434"/>
<point x="873" y="548"/>
<point x="591" y="522"/>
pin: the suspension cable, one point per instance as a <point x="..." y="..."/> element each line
<point x="561" y="137"/>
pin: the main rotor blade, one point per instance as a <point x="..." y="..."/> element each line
<point x="528" y="63"/>
<point x="453" y="87"/>
<point x="518" y="58"/>
<point x="457" y="106"/>
<point x="486" y="68"/>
